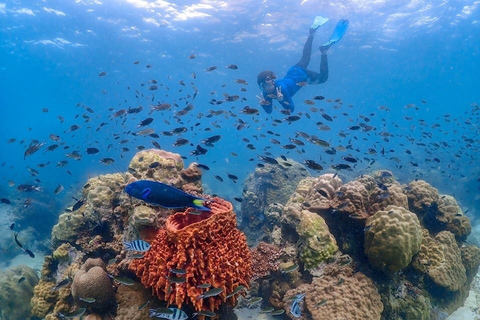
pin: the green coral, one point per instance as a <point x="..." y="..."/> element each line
<point x="317" y="244"/>
<point x="392" y="238"/>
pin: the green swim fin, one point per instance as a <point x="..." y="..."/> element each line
<point x="338" y="33"/>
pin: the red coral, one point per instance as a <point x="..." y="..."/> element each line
<point x="265" y="260"/>
<point x="208" y="246"/>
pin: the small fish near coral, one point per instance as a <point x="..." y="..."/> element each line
<point x="137" y="245"/>
<point x="158" y="193"/>
<point x="295" y="307"/>
<point x="176" y="314"/>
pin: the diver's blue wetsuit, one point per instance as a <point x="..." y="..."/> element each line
<point x="298" y="75"/>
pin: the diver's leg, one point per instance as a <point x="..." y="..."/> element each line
<point x="316" y="78"/>
<point x="307" y="50"/>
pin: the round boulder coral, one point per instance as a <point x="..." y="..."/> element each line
<point x="392" y="238"/>
<point x="440" y="259"/>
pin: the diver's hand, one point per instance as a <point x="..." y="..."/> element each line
<point x="279" y="94"/>
<point x="262" y="101"/>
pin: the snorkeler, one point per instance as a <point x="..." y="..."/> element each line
<point x="297" y="76"/>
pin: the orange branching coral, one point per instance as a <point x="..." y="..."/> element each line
<point x="208" y="246"/>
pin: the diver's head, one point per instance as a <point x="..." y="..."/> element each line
<point x="266" y="81"/>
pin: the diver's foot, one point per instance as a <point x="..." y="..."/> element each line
<point x="324" y="49"/>
<point x="318" y="22"/>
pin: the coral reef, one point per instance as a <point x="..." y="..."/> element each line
<point x="317" y="236"/>
<point x="392" y="238"/>
<point x="91" y="281"/>
<point x="208" y="246"/>
<point x="16" y="291"/>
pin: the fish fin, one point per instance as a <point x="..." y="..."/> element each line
<point x="198" y="204"/>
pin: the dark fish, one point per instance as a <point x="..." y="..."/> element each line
<point x="318" y="98"/>
<point x="211" y="139"/>
<point x="161" y="194"/>
<point x="78" y="204"/>
<point x="92" y="150"/>
<point x="268" y="159"/>
<point x="5" y="201"/>
<point x="218" y="178"/>
<point x="341" y="166"/>
<point x="154" y="165"/>
<point x="52" y="147"/>
<point x="107" y="160"/>
<point x="232" y="66"/>
<point x="313" y="165"/>
<point x="32" y="149"/>
<point x="322" y="192"/>
<point x="12" y="226"/>
<point x="211" y="68"/>
<point x="58" y="189"/>
<point x="28" y="188"/>
<point x="232" y="177"/>
<point x="180" y="142"/>
<point x="202" y="166"/>
<point x="350" y="159"/>
<point x="145" y="122"/>
<point x="238" y="199"/>
<point x="326" y="117"/>
<point x="102" y="74"/>
<point x="61" y="284"/>
<point x="21" y="279"/>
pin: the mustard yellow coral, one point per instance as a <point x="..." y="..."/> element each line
<point x="440" y="259"/>
<point x="393" y="236"/>
<point x="341" y="296"/>
<point x="44" y="298"/>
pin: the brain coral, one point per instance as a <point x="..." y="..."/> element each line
<point x="392" y="238"/>
<point x="341" y="296"/>
<point x="91" y="281"/>
<point x="208" y="246"/>
<point x="441" y="260"/>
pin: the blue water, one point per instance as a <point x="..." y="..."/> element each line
<point x="394" y="54"/>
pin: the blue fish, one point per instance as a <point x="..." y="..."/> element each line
<point x="163" y="195"/>
<point x="295" y="307"/>
<point x="137" y="245"/>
